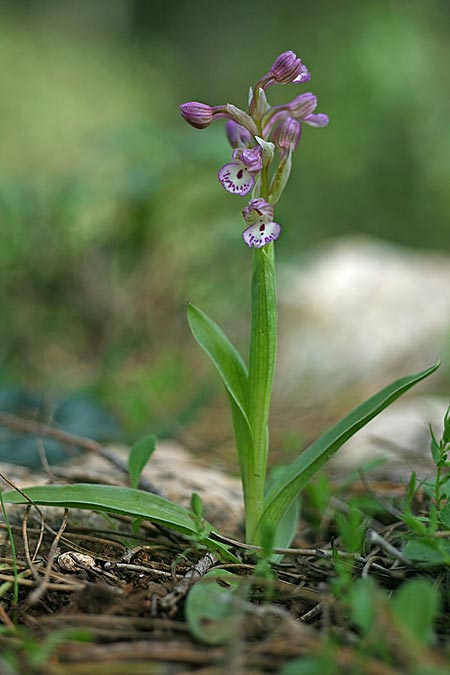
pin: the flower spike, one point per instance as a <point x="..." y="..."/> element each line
<point x="263" y="139"/>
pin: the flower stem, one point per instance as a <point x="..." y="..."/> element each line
<point x="261" y="373"/>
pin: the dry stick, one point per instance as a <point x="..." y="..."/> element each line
<point x="6" y="620"/>
<point x="31" y="427"/>
<point x="310" y="552"/>
<point x="137" y="568"/>
<point x="50" y="587"/>
<point x="376" y="538"/>
<point x="37" y="594"/>
<point x="26" y="546"/>
<point x="44" y="460"/>
<point x="317" y="552"/>
<point x="169" y="601"/>
<point x="73" y="535"/>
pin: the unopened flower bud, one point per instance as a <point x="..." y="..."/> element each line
<point x="287" y="134"/>
<point x="238" y="136"/>
<point x="302" y="106"/>
<point x="287" y="68"/>
<point x="198" y="115"/>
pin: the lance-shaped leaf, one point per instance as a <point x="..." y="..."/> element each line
<point x="113" y="499"/>
<point x="222" y="353"/>
<point x="294" y="478"/>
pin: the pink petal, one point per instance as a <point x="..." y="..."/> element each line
<point x="319" y="120"/>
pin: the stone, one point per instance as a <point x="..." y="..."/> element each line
<point x="362" y="308"/>
<point x="400" y="436"/>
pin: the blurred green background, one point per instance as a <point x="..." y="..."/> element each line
<point x="111" y="217"/>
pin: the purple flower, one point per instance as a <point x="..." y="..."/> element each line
<point x="238" y="177"/>
<point x="319" y="120"/>
<point x="303" y="76"/>
<point x="238" y="136"/>
<point x="302" y="105"/>
<point x="287" y="68"/>
<point x="287" y="135"/>
<point x="198" y="115"/>
<point x="259" y="217"/>
<point x="301" y="108"/>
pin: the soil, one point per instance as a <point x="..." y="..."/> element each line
<point x="84" y="575"/>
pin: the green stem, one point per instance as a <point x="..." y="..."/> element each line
<point x="261" y="373"/>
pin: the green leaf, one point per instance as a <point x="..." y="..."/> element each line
<point x="210" y="608"/>
<point x="114" y="499"/>
<point x="233" y="372"/>
<point x="411" y="487"/>
<point x="139" y="455"/>
<point x="444" y="516"/>
<point x="432" y="553"/>
<point x="415" y="594"/>
<point x="435" y="448"/>
<point x="286" y="529"/>
<point x="362" y="597"/>
<point x="223" y="354"/>
<point x="298" y="474"/>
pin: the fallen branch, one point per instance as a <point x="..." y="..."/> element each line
<point x="24" y="426"/>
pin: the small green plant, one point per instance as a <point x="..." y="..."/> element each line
<point x="426" y="546"/>
<point x="212" y="610"/>
<point x="384" y="620"/>
<point x="23" y="652"/>
<point x="202" y="528"/>
<point x="263" y="140"/>
<point x="13" y="553"/>
<point x="439" y="453"/>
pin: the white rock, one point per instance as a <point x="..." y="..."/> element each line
<point x="361" y="308"/>
<point x="400" y="435"/>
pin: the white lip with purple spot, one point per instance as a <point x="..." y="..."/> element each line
<point x="260" y="234"/>
<point x="236" y="178"/>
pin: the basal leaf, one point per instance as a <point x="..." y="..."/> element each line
<point x="114" y="499"/>
<point x="296" y="475"/>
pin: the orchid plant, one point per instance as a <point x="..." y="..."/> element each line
<point x="263" y="140"/>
